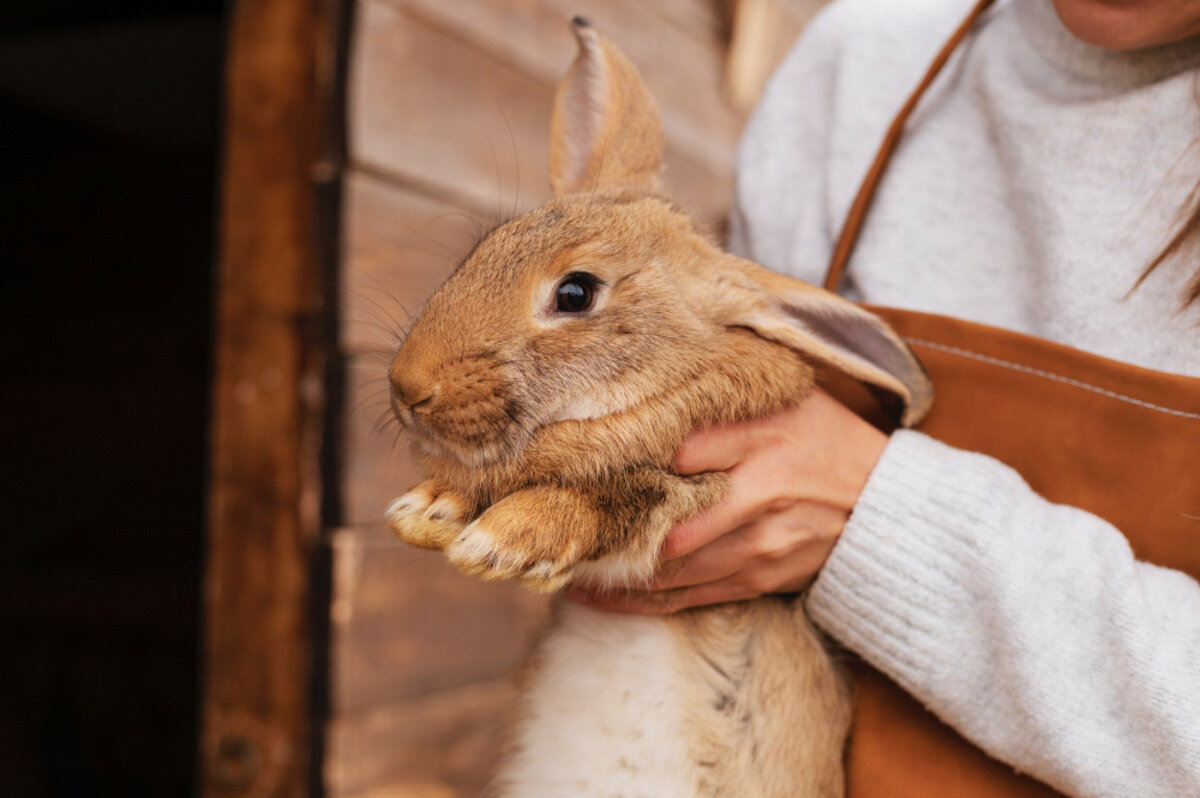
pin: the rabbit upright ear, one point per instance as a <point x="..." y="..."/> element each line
<point x="606" y="131"/>
<point x="840" y="334"/>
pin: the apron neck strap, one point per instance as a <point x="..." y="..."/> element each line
<point x="866" y="192"/>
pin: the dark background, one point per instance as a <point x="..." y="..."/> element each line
<point x="109" y="139"/>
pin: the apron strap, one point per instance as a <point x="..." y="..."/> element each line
<point x="866" y="192"/>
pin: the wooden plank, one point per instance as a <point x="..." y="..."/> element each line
<point x="800" y="12"/>
<point x="375" y="463"/>
<point x="398" y="245"/>
<point x="704" y="20"/>
<point x="488" y="150"/>
<point x="429" y="109"/>
<point x="264" y="498"/>
<point x="534" y="38"/>
<point x="528" y="36"/>
<point x="448" y="741"/>
<point x="405" y="623"/>
<point x="705" y="195"/>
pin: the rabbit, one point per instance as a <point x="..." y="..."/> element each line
<point x="547" y="386"/>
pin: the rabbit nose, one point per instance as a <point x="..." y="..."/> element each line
<point x="412" y="385"/>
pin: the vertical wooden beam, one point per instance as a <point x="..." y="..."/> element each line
<point x="265" y="491"/>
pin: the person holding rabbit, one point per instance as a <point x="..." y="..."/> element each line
<point x="1043" y="198"/>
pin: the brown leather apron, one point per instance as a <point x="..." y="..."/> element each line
<point x="1119" y="441"/>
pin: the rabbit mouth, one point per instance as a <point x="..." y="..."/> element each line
<point x="476" y="432"/>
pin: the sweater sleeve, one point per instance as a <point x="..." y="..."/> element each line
<point x="1027" y="626"/>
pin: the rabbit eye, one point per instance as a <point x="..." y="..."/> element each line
<point x="576" y="293"/>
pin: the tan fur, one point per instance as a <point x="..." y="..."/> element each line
<point x="757" y="672"/>
<point x="548" y="437"/>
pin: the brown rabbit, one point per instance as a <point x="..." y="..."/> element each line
<point x="547" y="386"/>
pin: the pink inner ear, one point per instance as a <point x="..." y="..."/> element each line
<point x="583" y="105"/>
<point x="863" y="339"/>
<point x="854" y="336"/>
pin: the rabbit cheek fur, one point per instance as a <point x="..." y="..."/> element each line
<point x="548" y="439"/>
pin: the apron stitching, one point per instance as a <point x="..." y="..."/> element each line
<point x="954" y="350"/>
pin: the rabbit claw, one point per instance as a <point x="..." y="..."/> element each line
<point x="429" y="516"/>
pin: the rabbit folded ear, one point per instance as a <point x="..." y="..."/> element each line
<point x="606" y="131"/>
<point x="839" y="334"/>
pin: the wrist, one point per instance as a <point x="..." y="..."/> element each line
<point x="836" y="472"/>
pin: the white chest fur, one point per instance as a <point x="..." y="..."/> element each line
<point x="596" y="673"/>
<point x="734" y="701"/>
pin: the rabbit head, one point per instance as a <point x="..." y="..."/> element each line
<point x="605" y="297"/>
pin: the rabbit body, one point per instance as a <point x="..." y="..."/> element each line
<point x="547" y="386"/>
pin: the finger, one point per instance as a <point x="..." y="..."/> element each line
<point x="626" y="602"/>
<point x="666" y="602"/>
<point x="714" y="449"/>
<point x="721" y="591"/>
<point x="722" y="557"/>
<point x="741" y="505"/>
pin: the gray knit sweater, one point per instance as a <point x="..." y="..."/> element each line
<point x="1038" y="178"/>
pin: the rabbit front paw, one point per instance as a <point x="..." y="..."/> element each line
<point x="429" y="516"/>
<point x="536" y="535"/>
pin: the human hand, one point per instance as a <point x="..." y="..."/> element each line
<point x="795" y="476"/>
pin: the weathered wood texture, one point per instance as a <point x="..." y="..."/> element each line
<point x="264" y="528"/>
<point x="448" y="119"/>
<point x="452" y="631"/>
<point x="445" y="739"/>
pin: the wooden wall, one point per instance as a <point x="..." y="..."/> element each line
<point x="448" y="117"/>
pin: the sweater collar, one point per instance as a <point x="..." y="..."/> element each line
<point x="1126" y="68"/>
